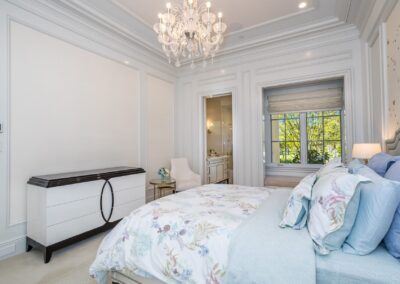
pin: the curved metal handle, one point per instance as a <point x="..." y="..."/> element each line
<point x="112" y="201"/>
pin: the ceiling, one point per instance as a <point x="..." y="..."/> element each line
<point x="236" y="15"/>
<point x="251" y="23"/>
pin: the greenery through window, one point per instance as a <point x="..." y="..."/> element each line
<point x="286" y="138"/>
<point x="321" y="140"/>
<point x="324" y="139"/>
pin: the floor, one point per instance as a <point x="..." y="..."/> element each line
<point x="67" y="266"/>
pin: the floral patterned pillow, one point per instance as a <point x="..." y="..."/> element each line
<point x="296" y="211"/>
<point x="333" y="209"/>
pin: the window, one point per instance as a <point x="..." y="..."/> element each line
<point x="303" y="122"/>
<point x="317" y="134"/>
<point x="324" y="136"/>
<point x="285" y="134"/>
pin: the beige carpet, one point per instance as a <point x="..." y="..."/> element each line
<point x="67" y="266"/>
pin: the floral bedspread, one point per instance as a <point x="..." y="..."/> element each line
<point x="181" y="238"/>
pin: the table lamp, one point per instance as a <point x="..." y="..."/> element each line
<point x="365" y="151"/>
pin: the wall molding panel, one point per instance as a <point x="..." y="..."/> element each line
<point x="328" y="55"/>
<point x="43" y="17"/>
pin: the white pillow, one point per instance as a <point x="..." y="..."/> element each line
<point x="296" y="211"/>
<point x="333" y="209"/>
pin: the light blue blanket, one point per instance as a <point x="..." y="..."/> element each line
<point x="262" y="252"/>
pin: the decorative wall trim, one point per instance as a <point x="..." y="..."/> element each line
<point x="302" y="63"/>
<point x="66" y="15"/>
<point x="85" y="35"/>
<point x="202" y="149"/>
<point x="216" y="79"/>
<point x="10" y="247"/>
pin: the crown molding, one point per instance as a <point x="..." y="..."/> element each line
<point x="87" y="23"/>
<point x="109" y="18"/>
<point x="367" y="15"/>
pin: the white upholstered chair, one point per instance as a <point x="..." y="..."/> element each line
<point x="184" y="176"/>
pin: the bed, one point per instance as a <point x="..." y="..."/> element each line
<point x="211" y="239"/>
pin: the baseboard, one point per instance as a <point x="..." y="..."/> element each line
<point x="12" y="247"/>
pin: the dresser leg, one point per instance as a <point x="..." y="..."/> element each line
<point x="28" y="248"/>
<point x="47" y="255"/>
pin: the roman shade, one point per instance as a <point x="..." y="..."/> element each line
<point x="305" y="99"/>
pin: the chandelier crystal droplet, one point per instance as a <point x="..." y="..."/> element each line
<point x="190" y="30"/>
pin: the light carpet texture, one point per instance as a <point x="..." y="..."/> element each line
<point x="67" y="266"/>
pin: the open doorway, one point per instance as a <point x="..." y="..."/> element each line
<point x="219" y="142"/>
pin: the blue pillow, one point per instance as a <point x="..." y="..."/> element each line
<point x="392" y="238"/>
<point x="378" y="203"/>
<point x="393" y="172"/>
<point x="381" y="162"/>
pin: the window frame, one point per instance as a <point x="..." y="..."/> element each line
<point x="303" y="142"/>
<point x="285" y="119"/>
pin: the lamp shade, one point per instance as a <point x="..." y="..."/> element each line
<point x="366" y="150"/>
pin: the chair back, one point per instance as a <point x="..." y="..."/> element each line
<point x="180" y="169"/>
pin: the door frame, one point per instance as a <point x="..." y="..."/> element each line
<point x="203" y="131"/>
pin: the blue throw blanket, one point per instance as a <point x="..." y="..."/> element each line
<point x="262" y="252"/>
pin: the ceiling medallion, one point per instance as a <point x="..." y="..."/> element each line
<point x="190" y="30"/>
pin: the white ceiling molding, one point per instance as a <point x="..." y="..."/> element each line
<point x="367" y="15"/>
<point x="117" y="22"/>
<point x="83" y="22"/>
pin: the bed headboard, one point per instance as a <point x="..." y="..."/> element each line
<point x="393" y="145"/>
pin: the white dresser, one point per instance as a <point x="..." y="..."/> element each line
<point x="218" y="169"/>
<point x="65" y="208"/>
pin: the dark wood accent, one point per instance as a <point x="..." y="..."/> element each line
<point x="224" y="181"/>
<point x="82" y="176"/>
<point x="47" y="251"/>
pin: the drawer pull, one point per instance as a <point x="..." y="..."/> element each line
<point x="112" y="201"/>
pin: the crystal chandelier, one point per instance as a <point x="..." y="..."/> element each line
<point x="190" y="30"/>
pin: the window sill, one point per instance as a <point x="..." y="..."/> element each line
<point x="290" y="170"/>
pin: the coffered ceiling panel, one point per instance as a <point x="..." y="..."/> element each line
<point x="238" y="14"/>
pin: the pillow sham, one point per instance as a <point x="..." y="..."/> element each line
<point x="393" y="173"/>
<point x="378" y="203"/>
<point x="392" y="238"/>
<point x="334" y="204"/>
<point x="295" y="215"/>
<point x="381" y="162"/>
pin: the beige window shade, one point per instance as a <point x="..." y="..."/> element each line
<point x="317" y="100"/>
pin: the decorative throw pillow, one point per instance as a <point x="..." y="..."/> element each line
<point x="392" y="238"/>
<point x="378" y="203"/>
<point x="334" y="205"/>
<point x="332" y="166"/>
<point x="393" y="173"/>
<point x="296" y="211"/>
<point x="381" y="162"/>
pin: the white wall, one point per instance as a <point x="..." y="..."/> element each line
<point x="70" y="110"/>
<point x="328" y="55"/>
<point x="69" y="102"/>
<point x="160" y="125"/>
<point x="382" y="77"/>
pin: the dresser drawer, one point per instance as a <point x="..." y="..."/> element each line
<point x="124" y="210"/>
<point x="72" y="210"/>
<point x="125" y="182"/>
<point x="73" y="192"/>
<point x="66" y="230"/>
<point x="129" y="195"/>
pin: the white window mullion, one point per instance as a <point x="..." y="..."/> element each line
<point x="303" y="137"/>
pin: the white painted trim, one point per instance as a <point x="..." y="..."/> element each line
<point x="11" y="246"/>
<point x="202" y="132"/>
<point x="384" y="83"/>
